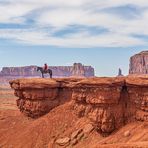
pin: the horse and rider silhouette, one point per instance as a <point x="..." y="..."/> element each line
<point x="45" y="70"/>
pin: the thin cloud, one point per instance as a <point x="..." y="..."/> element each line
<point x="80" y="39"/>
<point x="47" y="18"/>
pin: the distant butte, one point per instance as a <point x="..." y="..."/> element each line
<point x="139" y="63"/>
<point x="77" y="69"/>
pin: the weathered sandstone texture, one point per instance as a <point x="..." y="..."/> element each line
<point x="58" y="71"/>
<point x="138" y="96"/>
<point x="38" y="96"/>
<point x="108" y="103"/>
<point x="139" y="63"/>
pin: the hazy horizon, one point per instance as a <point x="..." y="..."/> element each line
<point x="105" y="62"/>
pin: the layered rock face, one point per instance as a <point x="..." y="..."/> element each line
<point x="102" y="102"/>
<point x="58" y="71"/>
<point x="38" y="96"/>
<point x="111" y="103"/>
<point x="108" y="103"/>
<point x="138" y="96"/>
<point x="139" y="63"/>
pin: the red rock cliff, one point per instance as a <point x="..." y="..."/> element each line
<point x="139" y="63"/>
<point x="108" y="103"/>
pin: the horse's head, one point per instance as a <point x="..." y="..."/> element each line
<point x="38" y="68"/>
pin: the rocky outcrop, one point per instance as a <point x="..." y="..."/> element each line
<point x="108" y="103"/>
<point x="99" y="101"/>
<point x="38" y="96"/>
<point x="112" y="102"/>
<point x="139" y="63"/>
<point x="58" y="71"/>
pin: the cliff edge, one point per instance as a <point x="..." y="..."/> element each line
<point x="109" y="103"/>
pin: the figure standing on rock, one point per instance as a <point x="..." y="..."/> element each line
<point x="45" y="67"/>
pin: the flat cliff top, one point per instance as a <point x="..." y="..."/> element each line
<point x="99" y="81"/>
<point x="64" y="82"/>
<point x="78" y="82"/>
<point x="143" y="53"/>
<point x="33" y="83"/>
<point x="137" y="80"/>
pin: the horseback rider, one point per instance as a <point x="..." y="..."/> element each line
<point x="44" y="70"/>
<point x="45" y="67"/>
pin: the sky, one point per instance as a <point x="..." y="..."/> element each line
<point x="100" y="33"/>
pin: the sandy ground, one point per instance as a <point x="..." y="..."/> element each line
<point x="7" y="98"/>
<point x="19" y="131"/>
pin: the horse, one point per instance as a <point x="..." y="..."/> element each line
<point x="44" y="71"/>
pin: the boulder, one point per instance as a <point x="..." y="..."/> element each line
<point x="75" y="134"/>
<point x="88" y="128"/>
<point x="63" y="141"/>
<point x="127" y="133"/>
